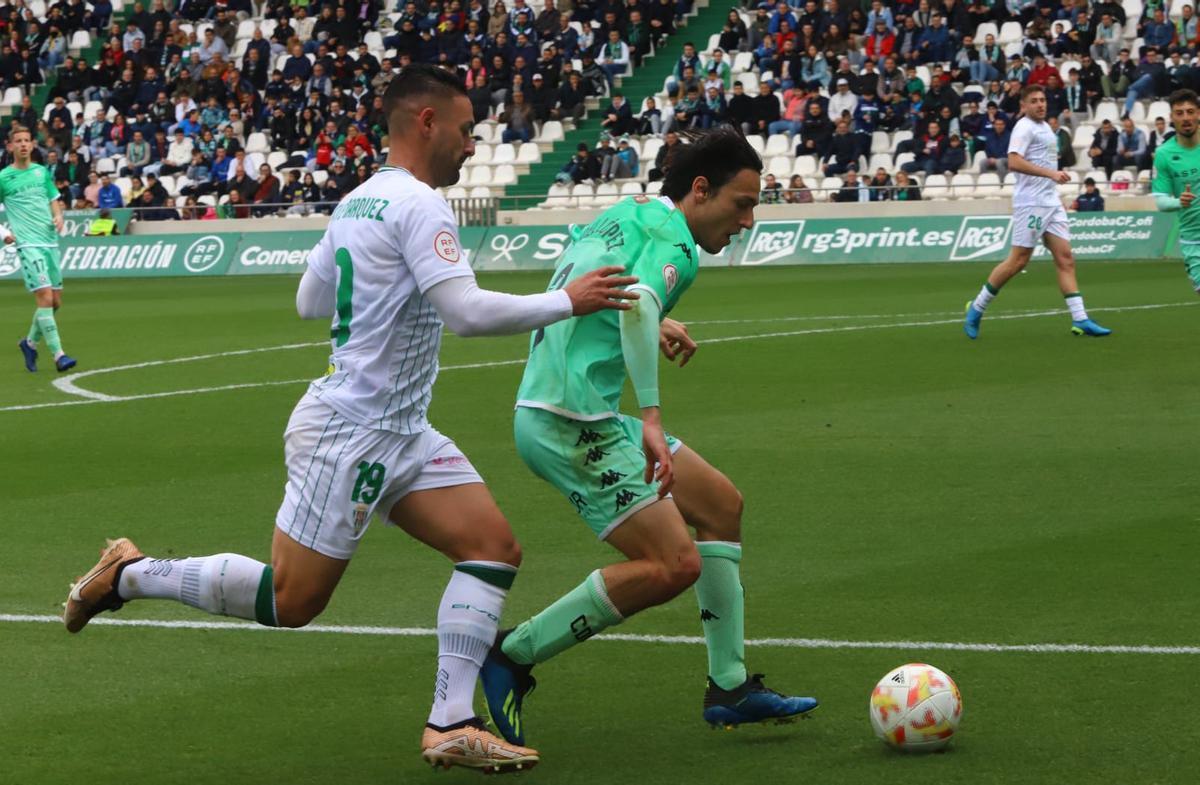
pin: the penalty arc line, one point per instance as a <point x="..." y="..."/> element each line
<point x="689" y="640"/>
<point x="89" y="397"/>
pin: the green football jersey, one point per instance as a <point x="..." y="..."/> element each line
<point x="26" y="194"/>
<point x="576" y="367"/>
<point x="1178" y="167"/>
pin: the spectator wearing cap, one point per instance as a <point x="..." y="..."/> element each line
<point x="541" y="98"/>
<point x="842" y="101"/>
<point x="1089" y="200"/>
<point x="881" y="42"/>
<point x="1103" y="151"/>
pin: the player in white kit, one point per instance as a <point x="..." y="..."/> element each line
<point x="1037" y="216"/>
<point x="389" y="272"/>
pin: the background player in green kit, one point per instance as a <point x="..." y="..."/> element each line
<point x="637" y="488"/>
<point x="35" y="218"/>
<point x="1177" y="174"/>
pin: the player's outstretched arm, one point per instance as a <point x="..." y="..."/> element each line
<point x="470" y="311"/>
<point x="1018" y="164"/>
<point x="639" y="344"/>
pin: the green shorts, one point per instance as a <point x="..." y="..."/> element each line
<point x="599" y="465"/>
<point x="41" y="267"/>
<point x="1191" y="260"/>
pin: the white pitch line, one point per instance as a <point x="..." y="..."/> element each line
<point x="689" y="640"/>
<point x="67" y="384"/>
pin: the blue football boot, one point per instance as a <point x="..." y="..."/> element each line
<point x="1088" y="327"/>
<point x="30" y="355"/>
<point x="971" y="322"/>
<point x="505" y="685"/>
<point x="752" y="701"/>
<point x="64" y="363"/>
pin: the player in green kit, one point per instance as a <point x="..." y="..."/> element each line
<point x="637" y="488"/>
<point x="1177" y="175"/>
<point x="35" y="219"/>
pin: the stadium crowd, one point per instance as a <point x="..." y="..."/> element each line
<point x="224" y="107"/>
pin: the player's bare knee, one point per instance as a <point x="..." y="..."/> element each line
<point x="677" y="574"/>
<point x="1065" y="262"/>
<point x="494" y="541"/>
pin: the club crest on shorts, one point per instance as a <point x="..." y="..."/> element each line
<point x="670" y="277"/>
<point x="446" y="247"/>
<point x="361" y="511"/>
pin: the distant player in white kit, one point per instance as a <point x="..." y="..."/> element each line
<point x="390" y="272"/>
<point x="1037" y="216"/>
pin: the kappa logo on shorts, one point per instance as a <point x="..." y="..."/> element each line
<point x="446" y="247"/>
<point x="610" y="477"/>
<point x="624" y="498"/>
<point x="594" y="454"/>
<point x="588" y="436"/>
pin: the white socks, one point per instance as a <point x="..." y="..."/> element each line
<point x="1075" y="303"/>
<point x="985" y="296"/>
<point x="227" y="584"/>
<point x="468" y="618"/>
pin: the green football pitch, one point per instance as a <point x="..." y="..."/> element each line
<point x="1019" y="511"/>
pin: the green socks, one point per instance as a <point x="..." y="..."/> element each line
<point x="43" y="319"/>
<point x="722" y="612"/>
<point x="573" y="618"/>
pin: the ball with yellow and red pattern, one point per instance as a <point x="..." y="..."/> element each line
<point x="916" y="708"/>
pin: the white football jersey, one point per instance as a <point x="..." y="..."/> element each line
<point x="1037" y="144"/>
<point x="388" y="242"/>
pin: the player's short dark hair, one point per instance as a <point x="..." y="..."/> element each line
<point x="1183" y="96"/>
<point x="420" y="80"/>
<point x="1029" y="90"/>
<point x="716" y="155"/>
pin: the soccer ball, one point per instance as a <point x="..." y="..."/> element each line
<point x="916" y="708"/>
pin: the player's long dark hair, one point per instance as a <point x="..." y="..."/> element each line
<point x="716" y="155"/>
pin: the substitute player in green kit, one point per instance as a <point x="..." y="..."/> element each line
<point x="1177" y="175"/>
<point x="636" y="487"/>
<point x="35" y="218"/>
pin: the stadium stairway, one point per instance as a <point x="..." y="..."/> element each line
<point x="645" y="82"/>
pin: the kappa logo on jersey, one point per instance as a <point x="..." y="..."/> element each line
<point x="446" y="247"/>
<point x="981" y="235"/>
<point x="670" y="277"/>
<point x="772" y="240"/>
<point x="643" y="199"/>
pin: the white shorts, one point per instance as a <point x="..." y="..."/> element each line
<point x="1030" y="223"/>
<point x="340" y="474"/>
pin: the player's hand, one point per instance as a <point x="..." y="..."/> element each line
<point x="1061" y="177"/>
<point x="59" y="224"/>
<point x="1185" y="198"/>
<point x="600" y="289"/>
<point x="9" y="240"/>
<point x="674" y="341"/>
<point x="659" y="467"/>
